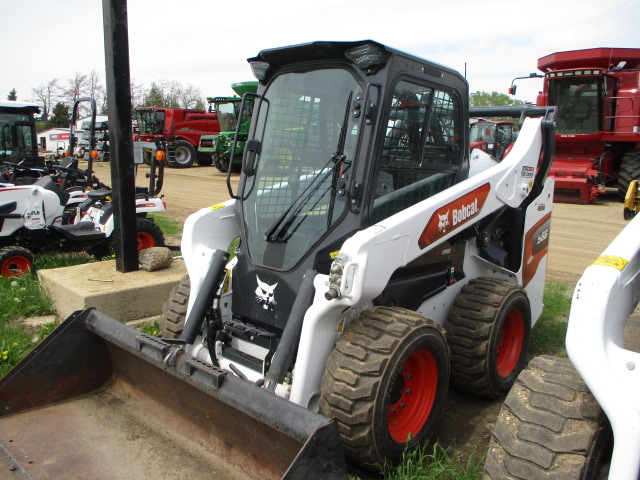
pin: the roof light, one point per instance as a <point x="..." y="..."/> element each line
<point x="364" y="56"/>
<point x="259" y="69"/>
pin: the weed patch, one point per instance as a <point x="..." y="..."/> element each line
<point x="548" y="335"/>
<point x="435" y="463"/>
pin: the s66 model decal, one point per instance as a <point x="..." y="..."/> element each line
<point x="536" y="246"/>
<point x="453" y="215"/>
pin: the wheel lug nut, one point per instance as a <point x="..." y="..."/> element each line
<point x="409" y="376"/>
<point x="402" y="405"/>
<point x="393" y="410"/>
<point x="408" y="390"/>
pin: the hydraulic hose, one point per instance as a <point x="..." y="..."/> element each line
<point x="288" y="345"/>
<point x="204" y="300"/>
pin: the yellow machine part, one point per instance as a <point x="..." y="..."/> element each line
<point x="631" y="201"/>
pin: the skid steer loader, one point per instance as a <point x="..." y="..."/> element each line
<point x="378" y="259"/>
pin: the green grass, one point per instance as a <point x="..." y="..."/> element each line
<point x="152" y="330"/>
<point x="548" y="335"/>
<point x="166" y="224"/>
<point x="21" y="298"/>
<point x="435" y="463"/>
<point x="15" y="343"/>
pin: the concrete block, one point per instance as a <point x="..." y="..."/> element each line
<point x="122" y="296"/>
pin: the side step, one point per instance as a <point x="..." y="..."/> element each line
<point x="83" y="233"/>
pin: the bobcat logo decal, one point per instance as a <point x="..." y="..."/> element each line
<point x="443" y="222"/>
<point x="265" y="295"/>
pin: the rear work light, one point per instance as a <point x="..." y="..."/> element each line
<point x="365" y="56"/>
<point x="259" y="69"/>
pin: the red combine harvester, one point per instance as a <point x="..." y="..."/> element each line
<point x="597" y="92"/>
<point x="179" y="129"/>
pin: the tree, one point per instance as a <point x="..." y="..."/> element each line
<point x="13" y="95"/>
<point x="95" y="89"/>
<point x="77" y="87"/>
<point x="137" y="95"/>
<point x="171" y="94"/>
<point x="47" y="94"/>
<point x="60" y="116"/>
<point x="154" y="97"/>
<point x="493" y="99"/>
<point x="190" y="96"/>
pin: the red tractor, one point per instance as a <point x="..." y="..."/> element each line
<point x="180" y="130"/>
<point x="598" y="123"/>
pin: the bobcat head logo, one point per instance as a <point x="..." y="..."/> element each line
<point x="444" y="222"/>
<point x="265" y="295"/>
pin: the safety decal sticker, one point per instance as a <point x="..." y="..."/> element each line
<point x="611" y="261"/>
<point x="527" y="172"/>
<point x="216" y="207"/>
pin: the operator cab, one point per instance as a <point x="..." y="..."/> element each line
<point x="18" y="142"/>
<point x="326" y="157"/>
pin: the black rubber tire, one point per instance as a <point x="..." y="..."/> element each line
<point x="204" y="159"/>
<point x="629" y="170"/>
<point x="486" y="309"/>
<point x="361" y="384"/>
<point x="174" y="310"/>
<point x="185" y="155"/>
<point x="149" y="234"/>
<point x="15" y="261"/>
<point x="550" y="426"/>
<point x="221" y="162"/>
<point x="146" y="158"/>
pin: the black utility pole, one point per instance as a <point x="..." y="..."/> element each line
<point x="116" y="48"/>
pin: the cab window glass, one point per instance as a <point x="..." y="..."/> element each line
<point x="421" y="150"/>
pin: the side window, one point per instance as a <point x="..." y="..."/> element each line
<point x="421" y="150"/>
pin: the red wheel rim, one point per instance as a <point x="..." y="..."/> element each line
<point x="412" y="396"/>
<point x="145" y="240"/>
<point x="15" y="266"/>
<point x="510" y="339"/>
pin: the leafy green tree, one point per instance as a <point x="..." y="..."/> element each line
<point x="42" y="125"/>
<point x="13" y="95"/>
<point x="154" y="98"/>
<point x="60" y="116"/>
<point x="492" y="99"/>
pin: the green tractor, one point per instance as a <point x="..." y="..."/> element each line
<point x="220" y="146"/>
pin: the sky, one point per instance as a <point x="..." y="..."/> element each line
<point x="205" y="43"/>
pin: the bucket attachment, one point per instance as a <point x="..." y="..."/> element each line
<point x="97" y="400"/>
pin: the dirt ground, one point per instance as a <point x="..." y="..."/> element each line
<point x="579" y="233"/>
